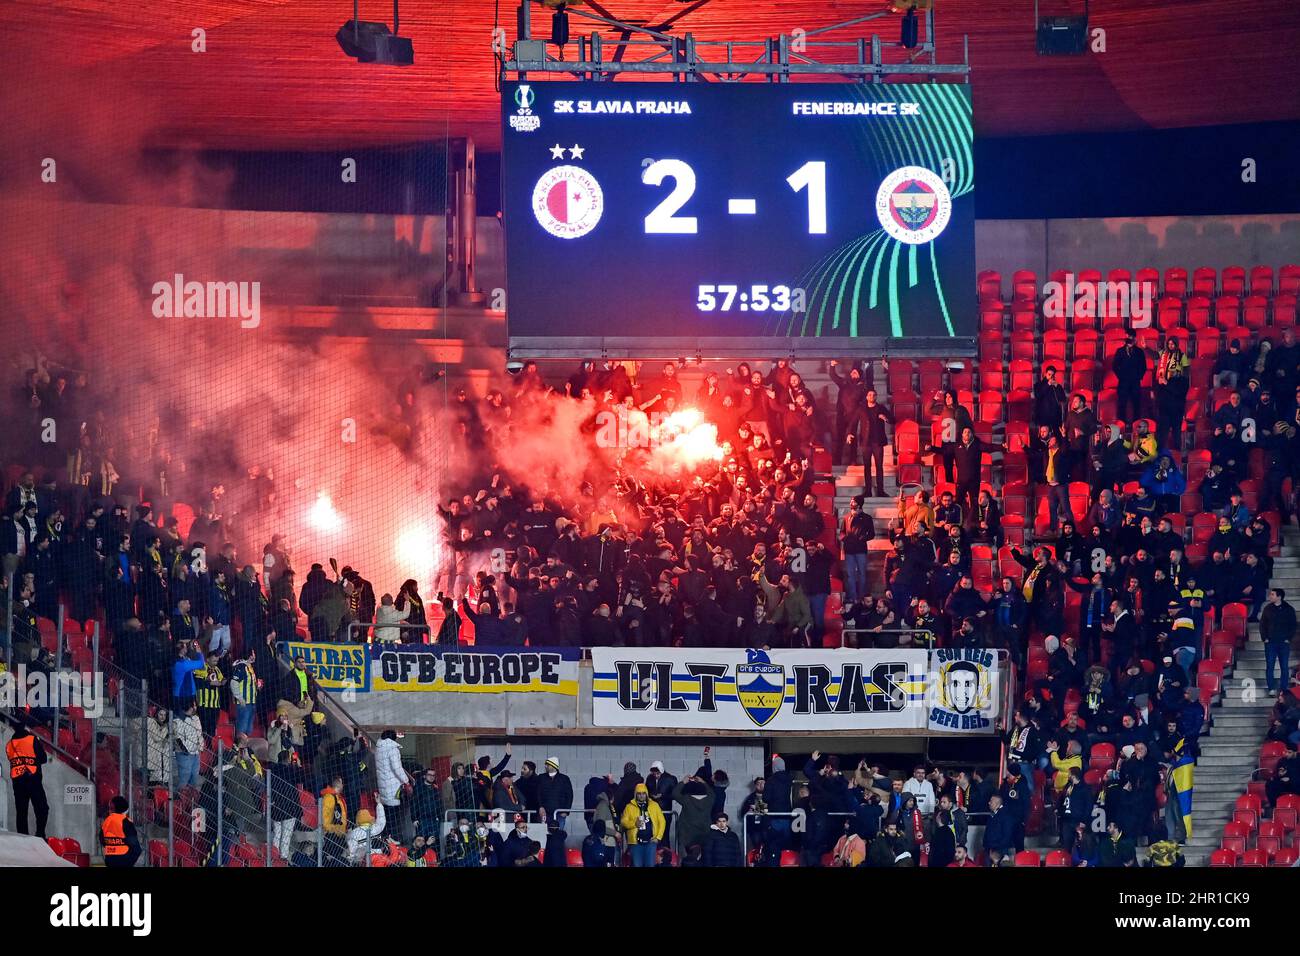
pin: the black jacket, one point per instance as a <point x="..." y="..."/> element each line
<point x="1277" y="622"/>
<point x="723" y="849"/>
<point x="554" y="793"/>
<point x="1129" y="366"/>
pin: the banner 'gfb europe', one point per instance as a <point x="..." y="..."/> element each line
<point x="777" y="690"/>
<point x="422" y="667"/>
<point x="427" y="668"/>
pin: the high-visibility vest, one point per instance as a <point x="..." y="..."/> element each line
<point x="21" y="752"/>
<point x="113" y="832"/>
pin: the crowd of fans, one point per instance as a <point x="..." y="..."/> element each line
<point x="721" y="551"/>
<point x="730" y="550"/>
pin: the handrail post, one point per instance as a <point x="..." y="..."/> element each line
<point x="172" y="770"/>
<point x="121" y="740"/>
<point x="221" y="803"/>
<point x="144" y="728"/>
<point x="270" y="782"/>
<point x="57" y="696"/>
<point x="9" y="622"/>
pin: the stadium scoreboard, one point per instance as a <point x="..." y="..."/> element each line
<point x="723" y="218"/>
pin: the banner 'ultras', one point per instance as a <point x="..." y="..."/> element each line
<point x="778" y="690"/>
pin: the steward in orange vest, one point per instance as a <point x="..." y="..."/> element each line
<point x="119" y="837"/>
<point x="26" y="755"/>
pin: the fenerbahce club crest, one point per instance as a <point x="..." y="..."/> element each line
<point x="760" y="687"/>
<point x="913" y="205"/>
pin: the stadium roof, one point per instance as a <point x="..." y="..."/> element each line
<point x="273" y="76"/>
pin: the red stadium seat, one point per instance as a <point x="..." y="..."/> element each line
<point x="1288" y="280"/>
<point x="1270" y="755"/>
<point x="1175" y="282"/>
<point x="1058" y="858"/>
<point x="1210" y="686"/>
<point x="1085" y="342"/>
<point x="1286" y="856"/>
<point x="1023" y="348"/>
<point x="1247" y="818"/>
<point x="1207" y="348"/>
<point x="1054" y="348"/>
<point x="930" y="376"/>
<point x="1022" y="375"/>
<point x="1102" y="757"/>
<point x="1227" y="311"/>
<point x="1284" y="311"/>
<point x="1198" y="312"/>
<point x="1248" y="801"/>
<point x="1024" y="286"/>
<point x="1233" y="619"/>
<point x="1203" y="527"/>
<point x="990" y="407"/>
<point x="1269" y="828"/>
<point x="989" y="283"/>
<point x="1261" y="280"/>
<point x="1084" y="374"/>
<point x="1169" y="314"/>
<point x="1254" y="312"/>
<point x="990" y="350"/>
<point x="1235" y="836"/>
<point x="1233" y="280"/>
<point x="1203" y="281"/>
<point x="982" y="566"/>
<point x="1223" y="857"/>
<point x="1253" y="858"/>
<point x="900" y="376"/>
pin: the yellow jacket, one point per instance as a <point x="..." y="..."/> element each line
<point x="1144" y="446"/>
<point x="631" y="812"/>
<point x="1063" y="766"/>
<point x="918" y="519"/>
<point x="332" y="806"/>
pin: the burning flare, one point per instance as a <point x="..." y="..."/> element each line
<point x="322" y="515"/>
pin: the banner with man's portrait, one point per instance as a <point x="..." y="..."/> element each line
<point x="963" y="692"/>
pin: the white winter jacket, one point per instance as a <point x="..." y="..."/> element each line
<point x="388" y="768"/>
<point x="388" y="614"/>
<point x="359" y="837"/>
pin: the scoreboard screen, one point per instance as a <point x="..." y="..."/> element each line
<point x="645" y="218"/>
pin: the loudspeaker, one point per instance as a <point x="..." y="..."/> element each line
<point x="370" y="42"/>
<point x="1063" y="35"/>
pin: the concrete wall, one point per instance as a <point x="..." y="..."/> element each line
<point x="1045" y="245"/>
<point x="77" y="822"/>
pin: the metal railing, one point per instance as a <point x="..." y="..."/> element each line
<point x="925" y="634"/>
<point x="367" y="628"/>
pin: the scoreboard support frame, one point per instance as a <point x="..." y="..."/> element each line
<point x="778" y="58"/>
